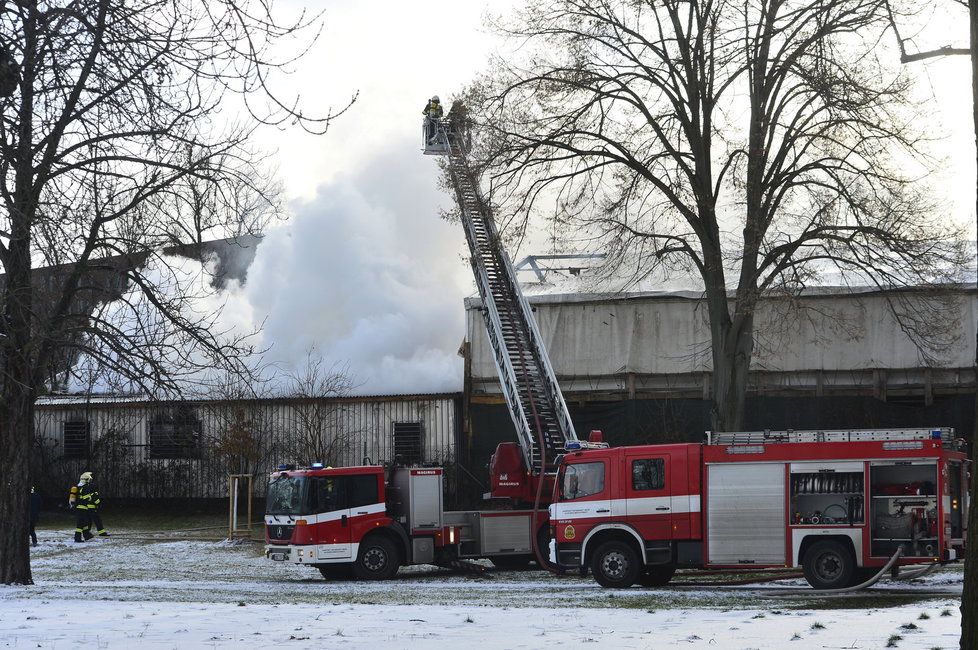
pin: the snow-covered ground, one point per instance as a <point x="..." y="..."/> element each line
<point x="128" y="592"/>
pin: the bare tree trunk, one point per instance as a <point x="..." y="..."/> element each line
<point x="15" y="438"/>
<point x="17" y="397"/>
<point x="731" y="364"/>
<point x="969" y="595"/>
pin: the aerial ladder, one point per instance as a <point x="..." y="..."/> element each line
<point x="528" y="381"/>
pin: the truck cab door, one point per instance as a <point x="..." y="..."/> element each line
<point x="367" y="508"/>
<point x="333" y="530"/>
<point x="648" y="492"/>
<point x="584" y="500"/>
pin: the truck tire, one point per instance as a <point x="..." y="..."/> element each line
<point x="543" y="541"/>
<point x="378" y="559"/>
<point x="829" y="565"/>
<point x="342" y="571"/>
<point x="615" y="564"/>
<point x="656" y="576"/>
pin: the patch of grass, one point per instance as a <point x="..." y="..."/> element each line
<point x="468" y="619"/>
<point x="923" y="616"/>
<point x="759" y="615"/>
<point x="946" y="612"/>
<point x="893" y="640"/>
<point x="816" y="626"/>
<point x="909" y="627"/>
<point x="795" y="637"/>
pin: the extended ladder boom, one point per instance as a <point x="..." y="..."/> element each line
<point x="528" y="380"/>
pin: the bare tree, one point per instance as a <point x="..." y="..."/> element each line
<point x="245" y="432"/>
<point x="319" y="433"/>
<point x="114" y="142"/>
<point x="913" y="48"/>
<point x="755" y="144"/>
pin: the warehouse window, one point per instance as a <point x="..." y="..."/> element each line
<point x="77" y="438"/>
<point x="649" y="474"/>
<point x="174" y="435"/>
<point x="407" y="438"/>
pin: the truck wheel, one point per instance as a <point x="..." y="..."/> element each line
<point x="378" y="559"/>
<point x="656" y="576"/>
<point x="342" y="571"/>
<point x="615" y="564"/>
<point x="829" y="565"/>
<point x="543" y="541"/>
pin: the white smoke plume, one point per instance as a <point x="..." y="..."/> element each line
<point x="368" y="275"/>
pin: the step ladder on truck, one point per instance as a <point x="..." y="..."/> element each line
<point x="370" y="520"/>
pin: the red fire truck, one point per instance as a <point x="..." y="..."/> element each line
<point x="837" y="503"/>
<point x="369" y="521"/>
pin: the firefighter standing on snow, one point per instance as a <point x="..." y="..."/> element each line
<point x="84" y="499"/>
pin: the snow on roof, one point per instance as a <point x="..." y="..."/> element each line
<point x="543" y="297"/>
<point x="108" y="399"/>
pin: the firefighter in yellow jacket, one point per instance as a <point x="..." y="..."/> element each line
<point x="84" y="500"/>
<point x="432" y="112"/>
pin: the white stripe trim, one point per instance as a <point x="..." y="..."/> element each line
<point x="323" y="517"/>
<point x="607" y="508"/>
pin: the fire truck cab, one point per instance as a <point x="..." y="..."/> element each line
<point x="836" y="503"/>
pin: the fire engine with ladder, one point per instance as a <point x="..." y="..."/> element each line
<point x="837" y="503"/>
<point x="370" y="520"/>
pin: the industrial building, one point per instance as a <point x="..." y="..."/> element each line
<point x="178" y="450"/>
<point x="635" y="365"/>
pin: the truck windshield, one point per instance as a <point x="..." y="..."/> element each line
<point x="582" y="480"/>
<point x="286" y="496"/>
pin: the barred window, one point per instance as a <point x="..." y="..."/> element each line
<point x="174" y="435"/>
<point x="76" y="438"/>
<point x="407" y="442"/>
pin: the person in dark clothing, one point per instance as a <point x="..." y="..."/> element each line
<point x="458" y="120"/>
<point x="93" y="507"/>
<point x="34" y="514"/>
<point x="85" y="501"/>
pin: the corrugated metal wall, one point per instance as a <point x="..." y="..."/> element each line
<point x="240" y="436"/>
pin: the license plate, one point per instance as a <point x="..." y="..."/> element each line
<point x="279" y="557"/>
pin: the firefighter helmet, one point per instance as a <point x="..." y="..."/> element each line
<point x="435" y="98"/>
<point x="87" y="476"/>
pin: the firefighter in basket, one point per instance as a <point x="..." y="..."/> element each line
<point x="84" y="500"/>
<point x="433" y="112"/>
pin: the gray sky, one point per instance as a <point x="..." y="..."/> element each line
<point x="365" y="270"/>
